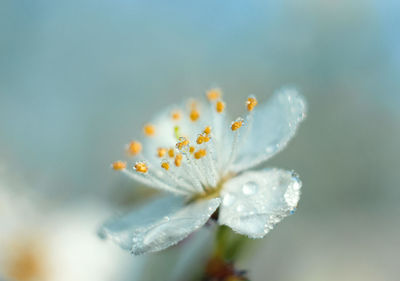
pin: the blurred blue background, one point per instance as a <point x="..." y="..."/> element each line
<point x="79" y="78"/>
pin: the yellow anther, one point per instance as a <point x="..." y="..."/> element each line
<point x="194" y="114"/>
<point x="200" y="153"/>
<point x="176" y="115"/>
<point x="165" y="165"/>
<point x="251" y="103"/>
<point x="182" y="143"/>
<point x="118" y="165"/>
<point x="236" y="125"/>
<point x="200" y="139"/>
<point x="220" y="106"/>
<point x="134" y="148"/>
<point x="141" y="167"/>
<point x="178" y="160"/>
<point x="207" y="130"/>
<point x="149" y="130"/>
<point x="171" y="152"/>
<point x="161" y="152"/>
<point x="213" y="94"/>
<point x="191" y="149"/>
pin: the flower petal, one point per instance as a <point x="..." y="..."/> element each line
<point x="158" y="225"/>
<point x="255" y="201"/>
<point x="274" y="124"/>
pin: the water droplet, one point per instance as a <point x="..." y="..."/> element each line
<point x="228" y="200"/>
<point x="240" y="208"/>
<point x="296" y="185"/>
<point x="269" y="149"/>
<point x="250" y="188"/>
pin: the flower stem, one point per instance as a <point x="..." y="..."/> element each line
<point x="221" y="265"/>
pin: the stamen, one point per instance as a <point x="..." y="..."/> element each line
<point x="237" y="124"/>
<point x="214" y="94"/>
<point x="183" y="142"/>
<point x="210" y="170"/>
<point x="200" y="153"/>
<point x="171" y="153"/>
<point x="211" y="158"/>
<point x="178" y="160"/>
<point x="165" y="165"/>
<point x="153" y="181"/>
<point x="187" y="173"/>
<point x="149" y="130"/>
<point x="196" y="175"/>
<point x="207" y="130"/>
<point x="194" y="114"/>
<point x="219" y="138"/>
<point x="141" y="167"/>
<point x="134" y="148"/>
<point x="192" y="149"/>
<point x="220" y="106"/>
<point x="251" y="103"/>
<point x="200" y="139"/>
<point x="177" y="181"/>
<point x="161" y="152"/>
<point x="118" y="165"/>
<point x="176" y="115"/>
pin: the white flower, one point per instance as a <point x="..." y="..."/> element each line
<point x="194" y="151"/>
<point x="53" y="246"/>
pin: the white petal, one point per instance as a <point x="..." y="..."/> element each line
<point x="274" y="124"/>
<point x="158" y="225"/>
<point x="255" y="201"/>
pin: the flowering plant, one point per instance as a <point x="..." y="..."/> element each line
<point x="195" y="153"/>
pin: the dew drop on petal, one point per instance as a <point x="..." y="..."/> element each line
<point x="229" y="199"/>
<point x="296" y="185"/>
<point x="250" y="188"/>
<point x="240" y="208"/>
<point x="269" y="149"/>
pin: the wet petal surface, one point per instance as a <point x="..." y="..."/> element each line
<point x="158" y="225"/>
<point x="254" y="202"/>
<point x="272" y="126"/>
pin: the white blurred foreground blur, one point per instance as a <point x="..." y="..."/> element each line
<point x="37" y="244"/>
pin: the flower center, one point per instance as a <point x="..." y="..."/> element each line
<point x="199" y="163"/>
<point x="211" y="192"/>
